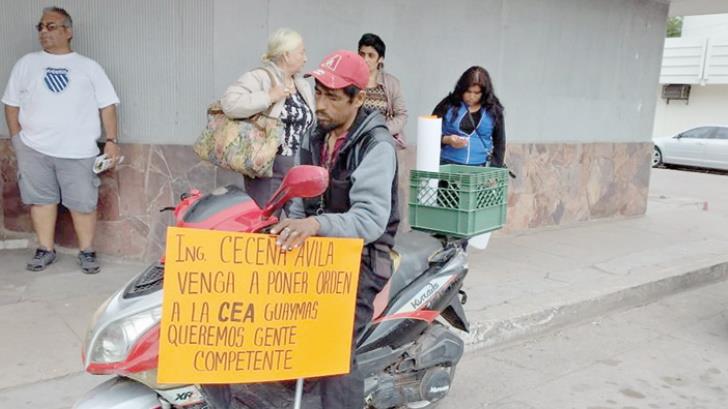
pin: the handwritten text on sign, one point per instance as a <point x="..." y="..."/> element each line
<point x="239" y="309"/>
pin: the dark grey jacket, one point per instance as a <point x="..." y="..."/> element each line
<point x="370" y="210"/>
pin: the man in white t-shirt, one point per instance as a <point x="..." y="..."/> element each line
<point x="55" y="104"/>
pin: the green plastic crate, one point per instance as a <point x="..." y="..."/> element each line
<point x="458" y="200"/>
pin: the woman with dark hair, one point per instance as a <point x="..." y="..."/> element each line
<point x="383" y="91"/>
<point x="473" y="128"/>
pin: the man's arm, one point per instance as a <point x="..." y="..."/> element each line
<point x="371" y="204"/>
<point x="370" y="197"/>
<point x="108" y="120"/>
<point x="12" y="96"/>
<point x="296" y="209"/>
<point x="11" y="118"/>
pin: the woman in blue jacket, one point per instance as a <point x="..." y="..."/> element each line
<point x="473" y="129"/>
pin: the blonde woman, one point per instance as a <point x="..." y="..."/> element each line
<point x="291" y="98"/>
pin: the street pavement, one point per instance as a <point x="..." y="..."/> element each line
<point x="527" y="283"/>
<point x="669" y="354"/>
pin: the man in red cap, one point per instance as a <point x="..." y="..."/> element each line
<point x="361" y="200"/>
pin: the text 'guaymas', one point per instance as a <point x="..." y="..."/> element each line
<point x="237" y="308"/>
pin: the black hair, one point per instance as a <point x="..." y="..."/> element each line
<point x="374" y="41"/>
<point x="474" y="75"/>
<point x="350" y="90"/>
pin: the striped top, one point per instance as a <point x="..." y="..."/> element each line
<point x="376" y="100"/>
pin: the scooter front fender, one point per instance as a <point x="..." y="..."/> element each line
<point x="119" y="393"/>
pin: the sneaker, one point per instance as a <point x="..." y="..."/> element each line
<point x="88" y="262"/>
<point x="42" y="259"/>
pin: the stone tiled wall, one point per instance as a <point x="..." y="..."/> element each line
<point x="130" y="222"/>
<point x="556" y="184"/>
<point x="559" y="184"/>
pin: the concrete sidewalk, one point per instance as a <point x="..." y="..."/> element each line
<point x="529" y="283"/>
<point x="521" y="285"/>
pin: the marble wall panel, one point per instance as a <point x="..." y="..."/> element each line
<point x="556" y="184"/>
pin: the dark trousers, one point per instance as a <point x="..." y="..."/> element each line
<point x="347" y="391"/>
<point x="261" y="189"/>
<point x="337" y="392"/>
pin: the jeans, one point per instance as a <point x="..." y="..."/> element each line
<point x="347" y="391"/>
<point x="337" y="392"/>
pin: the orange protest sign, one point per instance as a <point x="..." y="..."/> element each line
<point x="238" y="309"/>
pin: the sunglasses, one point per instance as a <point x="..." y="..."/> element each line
<point x="48" y="26"/>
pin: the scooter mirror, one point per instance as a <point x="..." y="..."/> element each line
<point x="300" y="181"/>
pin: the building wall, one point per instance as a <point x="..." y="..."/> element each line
<point x="707" y="105"/>
<point x="158" y="54"/>
<point x="577" y="78"/>
<point x="697" y="7"/>
<point x="711" y="25"/>
<point x="564" y="69"/>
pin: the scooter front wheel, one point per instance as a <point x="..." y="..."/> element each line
<point x="119" y="393"/>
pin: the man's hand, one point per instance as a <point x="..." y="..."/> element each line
<point x="293" y="232"/>
<point x="112" y="151"/>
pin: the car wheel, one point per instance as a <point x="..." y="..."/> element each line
<point x="656" y="157"/>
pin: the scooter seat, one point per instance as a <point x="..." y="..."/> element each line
<point x="414" y="249"/>
<point x="410" y="257"/>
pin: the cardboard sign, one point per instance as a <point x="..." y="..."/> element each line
<point x="238" y="309"/>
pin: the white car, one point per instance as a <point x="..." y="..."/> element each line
<point x="704" y="146"/>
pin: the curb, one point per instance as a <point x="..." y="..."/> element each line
<point x="492" y="333"/>
<point x="14" y="244"/>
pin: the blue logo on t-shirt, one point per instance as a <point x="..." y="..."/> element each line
<point x="56" y="79"/>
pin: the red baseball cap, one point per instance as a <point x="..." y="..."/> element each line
<point x="341" y="69"/>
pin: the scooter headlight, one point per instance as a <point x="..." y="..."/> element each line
<point x="116" y="340"/>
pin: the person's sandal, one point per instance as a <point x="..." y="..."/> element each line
<point x="87" y="261"/>
<point x="42" y="259"/>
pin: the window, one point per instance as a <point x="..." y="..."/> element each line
<point x="721" y="133"/>
<point x="704" y="132"/>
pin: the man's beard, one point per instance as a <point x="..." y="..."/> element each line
<point x="326" y="128"/>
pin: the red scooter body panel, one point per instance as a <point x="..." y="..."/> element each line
<point x="228" y="209"/>
<point x="245" y="217"/>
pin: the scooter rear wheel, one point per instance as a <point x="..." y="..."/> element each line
<point x="421" y="405"/>
<point x="426" y="404"/>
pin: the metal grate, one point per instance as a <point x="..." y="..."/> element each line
<point x="149" y="281"/>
